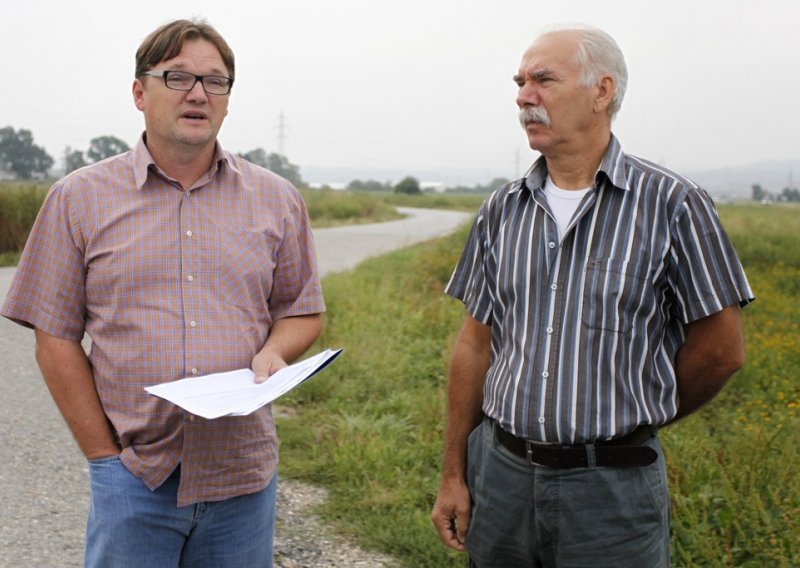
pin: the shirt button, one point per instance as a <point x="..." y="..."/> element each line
<point x="549" y="330"/>
<point x="541" y="420"/>
<point x="190" y="278"/>
<point x="552" y="245"/>
<point x="553" y="286"/>
<point x="191" y="418"/>
<point x="193" y="323"/>
<point x="194" y="370"/>
<point x="189" y="233"/>
<point x="545" y="374"/>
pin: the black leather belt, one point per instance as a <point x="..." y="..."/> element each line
<point x="626" y="451"/>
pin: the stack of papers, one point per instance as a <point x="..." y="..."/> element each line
<point x="234" y="393"/>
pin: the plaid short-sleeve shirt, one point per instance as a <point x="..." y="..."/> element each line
<point x="171" y="284"/>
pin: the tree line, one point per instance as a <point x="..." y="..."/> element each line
<point x="411" y="185"/>
<point x="24" y="160"/>
<point x="21" y="158"/>
<point x="789" y="194"/>
<point x="408" y="185"/>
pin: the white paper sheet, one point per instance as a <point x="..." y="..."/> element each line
<point x="234" y="393"/>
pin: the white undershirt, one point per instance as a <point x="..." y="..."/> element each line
<point x="563" y="203"/>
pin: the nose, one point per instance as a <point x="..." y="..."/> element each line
<point x="527" y="95"/>
<point x="197" y="93"/>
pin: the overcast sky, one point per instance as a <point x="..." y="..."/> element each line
<point x="419" y="84"/>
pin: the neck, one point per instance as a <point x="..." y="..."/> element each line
<point x="186" y="163"/>
<point x="576" y="169"/>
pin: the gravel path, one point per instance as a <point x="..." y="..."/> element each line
<point x="43" y="476"/>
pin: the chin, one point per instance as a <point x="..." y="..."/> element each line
<point x="196" y="139"/>
<point x="536" y="143"/>
<point x="536" y="136"/>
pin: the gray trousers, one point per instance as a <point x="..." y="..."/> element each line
<point x="526" y="516"/>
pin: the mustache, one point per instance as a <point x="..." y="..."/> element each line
<point x="534" y="114"/>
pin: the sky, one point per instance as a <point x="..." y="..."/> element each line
<point x="420" y="86"/>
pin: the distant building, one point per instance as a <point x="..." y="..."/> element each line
<point x="432" y="186"/>
<point x="335" y="185"/>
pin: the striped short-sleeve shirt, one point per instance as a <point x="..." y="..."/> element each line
<point x="171" y="284"/>
<point x="585" y="329"/>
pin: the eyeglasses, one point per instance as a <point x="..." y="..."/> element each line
<point x="183" y="81"/>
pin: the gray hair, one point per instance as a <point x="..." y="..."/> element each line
<point x="597" y="55"/>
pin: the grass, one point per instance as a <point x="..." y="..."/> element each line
<point x="460" y="202"/>
<point x="328" y="208"/>
<point x="369" y="428"/>
<point x="19" y="204"/>
<point x="9" y="258"/>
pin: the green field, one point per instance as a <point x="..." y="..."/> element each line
<point x="370" y="427"/>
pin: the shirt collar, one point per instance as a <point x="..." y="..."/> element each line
<point x="612" y="166"/>
<point x="142" y="160"/>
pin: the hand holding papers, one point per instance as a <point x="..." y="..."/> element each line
<point x="234" y="393"/>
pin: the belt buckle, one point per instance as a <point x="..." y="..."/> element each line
<point x="529" y="451"/>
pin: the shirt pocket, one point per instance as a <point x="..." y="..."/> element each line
<point x="246" y="266"/>
<point x="613" y="295"/>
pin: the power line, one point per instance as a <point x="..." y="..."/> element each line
<point x="282" y="134"/>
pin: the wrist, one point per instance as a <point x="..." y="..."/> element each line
<point x="452" y="474"/>
<point x="102" y="453"/>
<point x="270" y="351"/>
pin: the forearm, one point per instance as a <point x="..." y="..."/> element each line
<point x="712" y="353"/>
<point x="470" y="362"/>
<point x="698" y="382"/>
<point x="291" y="337"/>
<point x="68" y="375"/>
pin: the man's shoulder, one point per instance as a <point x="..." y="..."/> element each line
<point x="500" y="194"/>
<point x="656" y="183"/>
<point x="659" y="172"/>
<point x="259" y="174"/>
<point x="118" y="168"/>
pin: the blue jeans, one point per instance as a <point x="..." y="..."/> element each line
<point x="130" y="526"/>
<point x="525" y="515"/>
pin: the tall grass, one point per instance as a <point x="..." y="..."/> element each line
<point x="328" y="208"/>
<point x="370" y="427"/>
<point x="19" y="204"/>
<point x="462" y="202"/>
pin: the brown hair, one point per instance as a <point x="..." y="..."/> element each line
<point x="167" y="41"/>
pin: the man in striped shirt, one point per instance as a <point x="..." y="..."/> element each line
<point x="178" y="259"/>
<point x="602" y="301"/>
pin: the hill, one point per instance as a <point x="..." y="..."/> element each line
<point x="735" y="182"/>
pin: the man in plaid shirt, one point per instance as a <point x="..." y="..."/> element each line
<point x="178" y="259"/>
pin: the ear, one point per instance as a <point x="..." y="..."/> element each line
<point x="138" y="94"/>
<point x="605" y="93"/>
